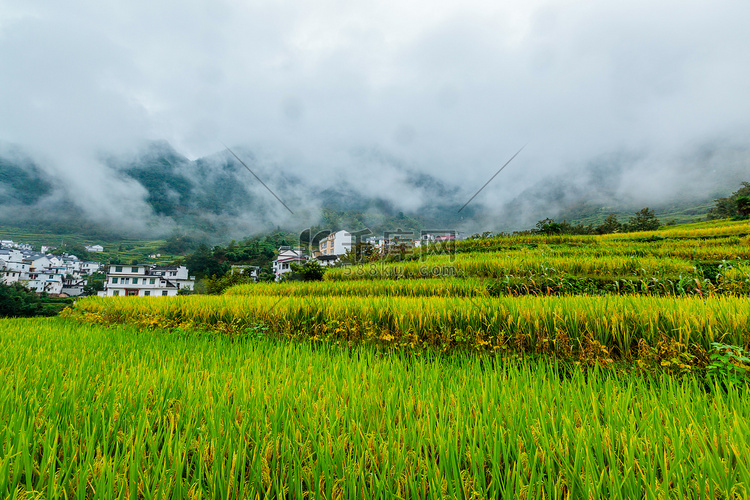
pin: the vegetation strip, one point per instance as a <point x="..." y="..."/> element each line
<point x="618" y="326"/>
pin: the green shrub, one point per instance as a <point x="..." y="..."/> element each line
<point x="18" y="301"/>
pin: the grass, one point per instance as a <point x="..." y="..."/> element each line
<point x="92" y="412"/>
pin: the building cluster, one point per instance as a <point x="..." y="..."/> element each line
<point x="334" y="246"/>
<point x="55" y="275"/>
<point x="16" y="246"/>
<point x="146" y="280"/>
<point x="328" y="252"/>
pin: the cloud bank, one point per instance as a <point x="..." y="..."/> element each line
<point x="450" y="89"/>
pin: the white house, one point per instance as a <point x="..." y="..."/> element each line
<point x="337" y="243"/>
<point x="146" y="280"/>
<point x="36" y="261"/>
<point x="10" y="255"/>
<point x="175" y="274"/>
<point x="94" y="248"/>
<point x="90" y="267"/>
<point x="288" y="256"/>
<point x="12" y="272"/>
<point x="74" y="287"/>
<point x="48" y="280"/>
<point x="13" y="244"/>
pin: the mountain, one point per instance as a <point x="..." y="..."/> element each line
<point x="157" y="191"/>
<point x="214" y="196"/>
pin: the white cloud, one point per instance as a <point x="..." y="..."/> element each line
<point x="453" y="88"/>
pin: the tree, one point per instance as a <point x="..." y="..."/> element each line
<point x="310" y="271"/>
<point x="610" y="225"/>
<point x="180" y="244"/>
<point x="743" y="206"/>
<point x="360" y="253"/>
<point x="74" y="249"/>
<point x="644" y="220"/>
<point x="215" y="286"/>
<point x="94" y="283"/>
<point x="202" y="263"/>
<point x="549" y="226"/>
<point x="18" y="301"/>
<point x="265" y="275"/>
<point x="730" y="206"/>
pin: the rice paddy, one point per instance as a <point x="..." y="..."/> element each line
<point x="512" y="367"/>
<point x="567" y="326"/>
<point x="95" y="412"/>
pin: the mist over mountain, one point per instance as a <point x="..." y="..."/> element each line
<point x="214" y="196"/>
<point x="157" y="191"/>
<point x="377" y="109"/>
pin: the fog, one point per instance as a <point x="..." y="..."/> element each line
<point x="368" y="94"/>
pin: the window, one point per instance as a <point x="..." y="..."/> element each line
<point x="114" y="281"/>
<point x="164" y="293"/>
<point x="125" y="281"/>
<point x="147" y="292"/>
<point x="135" y="269"/>
<point x="118" y="269"/>
<point x="135" y="281"/>
<point x="152" y="281"/>
<point x="115" y="293"/>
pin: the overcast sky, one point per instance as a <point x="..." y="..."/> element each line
<point x="453" y="88"/>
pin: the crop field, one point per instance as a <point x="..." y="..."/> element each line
<point x="619" y="327"/>
<point x="539" y="367"/>
<point x="95" y="412"/>
<point x="703" y="252"/>
<point x="570" y="297"/>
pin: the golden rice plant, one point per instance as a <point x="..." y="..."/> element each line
<point x="562" y="325"/>
<point x="499" y="265"/>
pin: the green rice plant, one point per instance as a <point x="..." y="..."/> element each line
<point x="110" y="413"/>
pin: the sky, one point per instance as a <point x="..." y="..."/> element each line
<point x="450" y="88"/>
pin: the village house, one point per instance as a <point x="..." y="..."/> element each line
<point x="288" y="256"/>
<point x="36" y="261"/>
<point x="337" y="243"/>
<point x="333" y="247"/>
<point x="17" y="246"/>
<point x="175" y="274"/>
<point x="146" y="280"/>
<point x="74" y="287"/>
<point x="43" y="273"/>
<point x="47" y="280"/>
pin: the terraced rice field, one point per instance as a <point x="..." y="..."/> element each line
<point x="627" y="327"/>
<point x="526" y="367"/>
